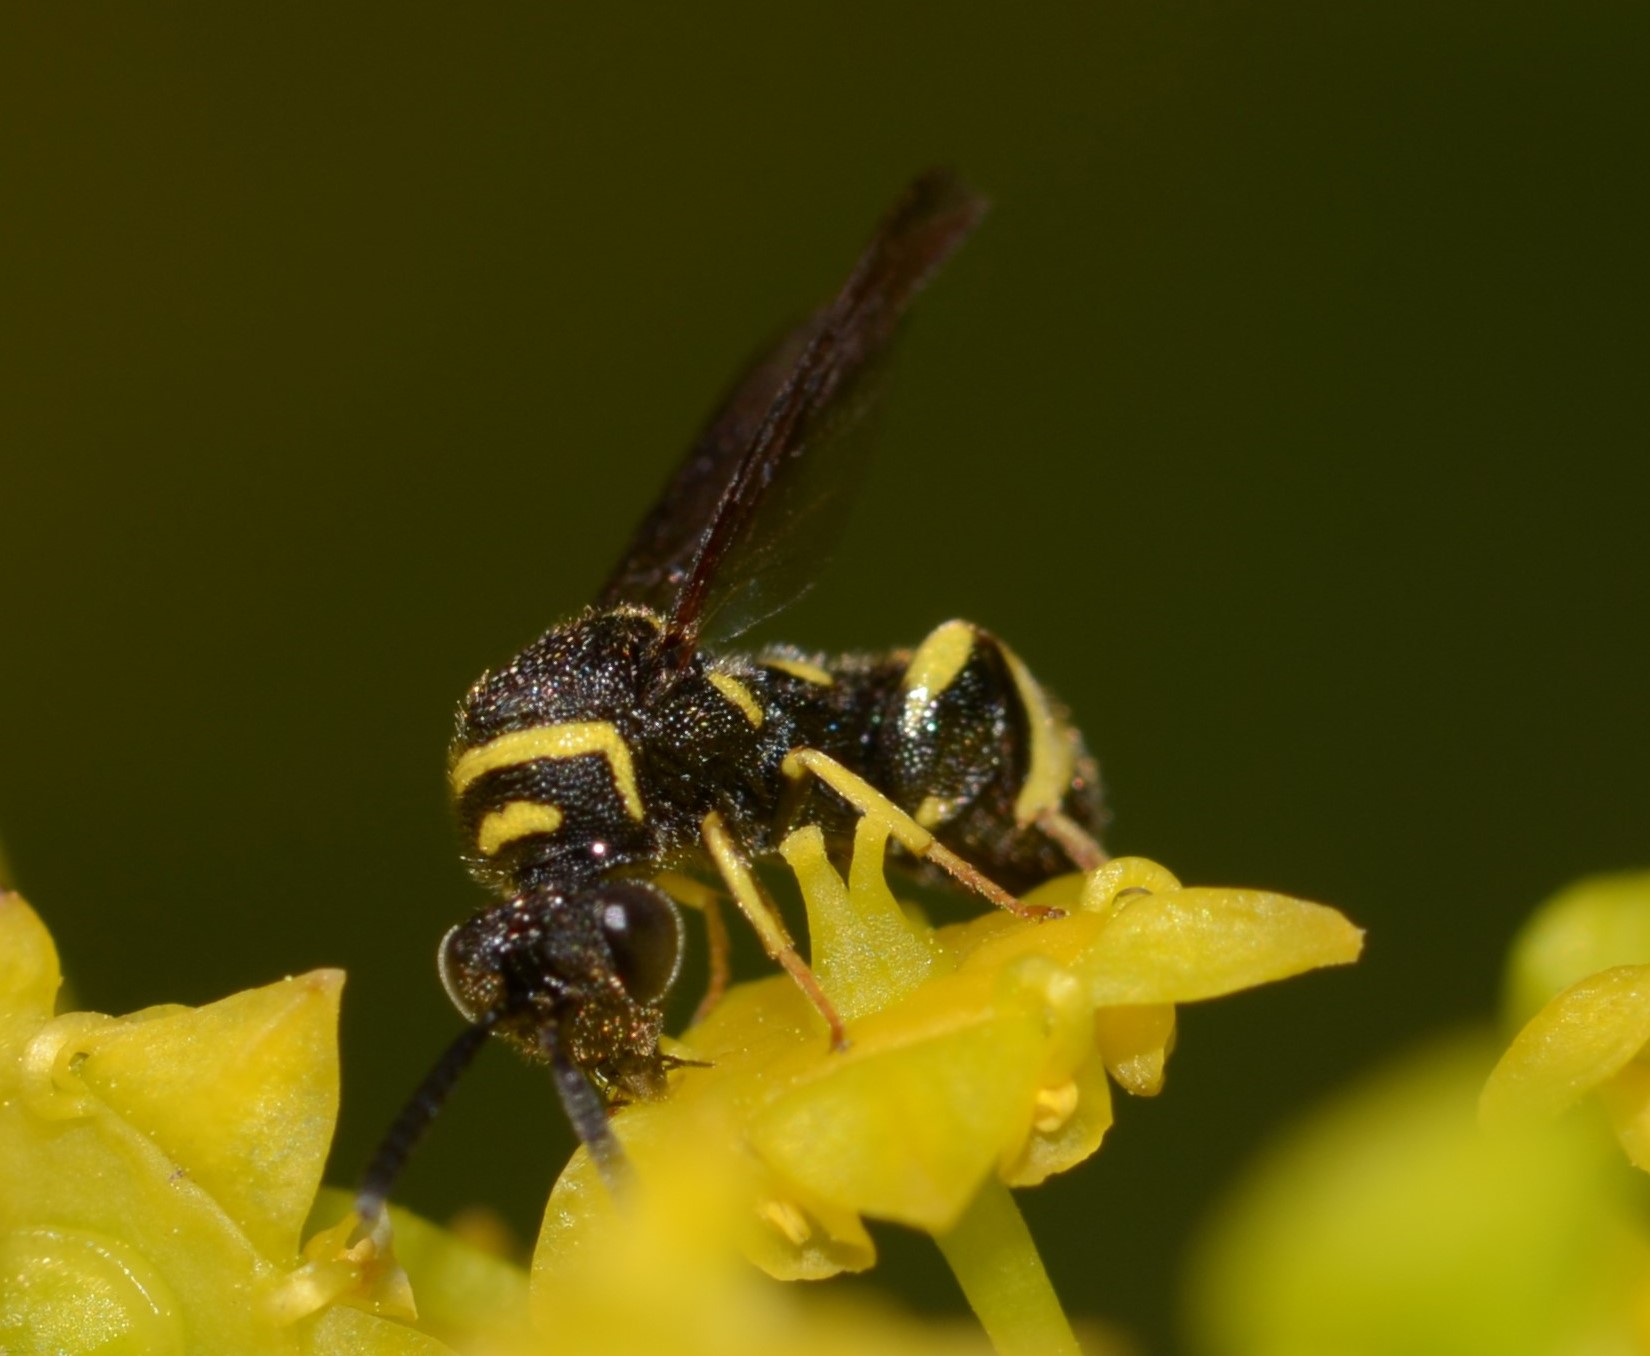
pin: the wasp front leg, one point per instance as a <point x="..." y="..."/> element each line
<point x="696" y="894"/>
<point x="741" y="881"/>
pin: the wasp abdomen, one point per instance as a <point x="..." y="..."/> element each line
<point x="980" y="754"/>
<point x="957" y="733"/>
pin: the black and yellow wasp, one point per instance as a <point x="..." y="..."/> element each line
<point x="617" y="748"/>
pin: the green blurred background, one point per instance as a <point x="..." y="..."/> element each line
<point x="1289" y="415"/>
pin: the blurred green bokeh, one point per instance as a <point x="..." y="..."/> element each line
<point x="1288" y="415"/>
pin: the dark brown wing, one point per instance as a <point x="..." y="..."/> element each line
<point x="751" y="515"/>
<point x="666" y="541"/>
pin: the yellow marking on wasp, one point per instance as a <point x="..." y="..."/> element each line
<point x="647" y="614"/>
<point x="516" y="819"/>
<point x="740" y="695"/>
<point x="1053" y="748"/>
<point x="939" y="659"/>
<point x="553" y="741"/>
<point x="933" y="668"/>
<point x="801" y="668"/>
<point x="934" y="810"/>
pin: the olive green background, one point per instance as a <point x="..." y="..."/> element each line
<point x="1288" y="415"/>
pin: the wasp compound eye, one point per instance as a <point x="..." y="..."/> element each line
<point x="644" y="933"/>
<point x="469" y="965"/>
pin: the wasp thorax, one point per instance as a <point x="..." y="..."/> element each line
<point x="547" y="763"/>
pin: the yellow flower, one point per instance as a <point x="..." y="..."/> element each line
<point x="978" y="1061"/>
<point x="1582" y="968"/>
<point x="157" y="1170"/>
<point x="1407" y="1218"/>
<point x="1390" y="1224"/>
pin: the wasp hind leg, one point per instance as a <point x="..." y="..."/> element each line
<point x="1074" y="840"/>
<point x="905" y="830"/>
<point x="754" y="904"/>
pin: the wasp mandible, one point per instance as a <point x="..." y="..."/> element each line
<point x="620" y="746"/>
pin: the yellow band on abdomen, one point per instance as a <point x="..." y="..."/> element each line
<point x="1053" y="760"/>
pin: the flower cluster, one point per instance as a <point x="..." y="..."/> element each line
<point x="1432" y="1209"/>
<point x="159" y="1169"/>
<point x="979" y="1051"/>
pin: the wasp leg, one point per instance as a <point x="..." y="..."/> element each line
<point x="1075" y="841"/>
<point x="910" y="835"/>
<point x="697" y="895"/>
<point x="716" y="938"/>
<point x="747" y="894"/>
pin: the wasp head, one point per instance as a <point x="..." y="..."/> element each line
<point x="585" y="971"/>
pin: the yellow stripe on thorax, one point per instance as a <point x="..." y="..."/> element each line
<point x="737" y="693"/>
<point x="1053" y="749"/>
<point x="517" y="819"/>
<point x="553" y="741"/>
<point x="801" y="668"/>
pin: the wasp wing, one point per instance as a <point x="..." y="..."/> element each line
<point x="665" y="542"/>
<point x="754" y="510"/>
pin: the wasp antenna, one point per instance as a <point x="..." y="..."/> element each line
<point x="585" y="1109"/>
<point x="422" y="1107"/>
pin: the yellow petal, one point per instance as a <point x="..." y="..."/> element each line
<point x="459" y="1287"/>
<point x="29" y="976"/>
<point x="347" y="1263"/>
<point x="1198" y="943"/>
<point x="241" y="1095"/>
<point x="1627" y="1099"/>
<point x="88" y="1199"/>
<point x="1597" y="923"/>
<point x="1575" y="1043"/>
<point x="350" y="1332"/>
<point x="1133" y="946"/>
<point x="155" y="1171"/>
<point x="72" y="1290"/>
<point x="1389" y="1223"/>
<point x="908" y="1133"/>
<point x="653" y="1271"/>
<point x="1135" y="1042"/>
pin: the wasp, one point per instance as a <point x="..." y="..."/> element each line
<point x="622" y="747"/>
